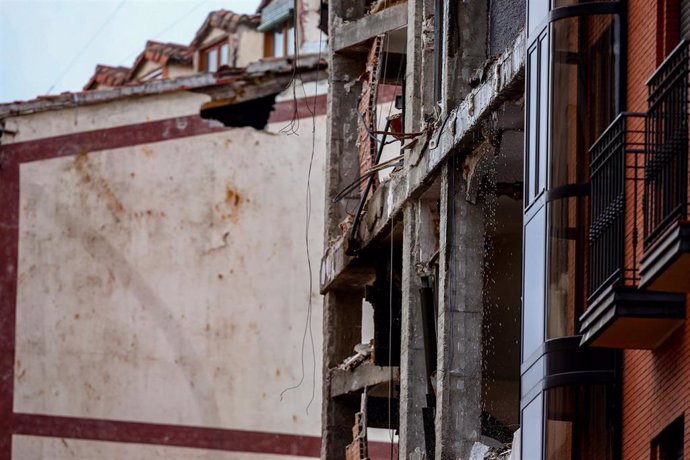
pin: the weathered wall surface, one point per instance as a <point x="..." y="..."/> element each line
<point x="506" y="19"/>
<point x="101" y="116"/>
<point x="30" y="447"/>
<point x="251" y="45"/>
<point x="167" y="282"/>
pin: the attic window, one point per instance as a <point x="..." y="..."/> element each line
<point x="215" y="56"/>
<point x="278" y="26"/>
<point x="280" y="42"/>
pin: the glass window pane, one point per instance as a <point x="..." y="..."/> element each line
<point x="532" y="154"/>
<point x="278" y="43"/>
<point x="579" y="423"/>
<point x="536" y="14"/>
<point x="291" y="40"/>
<point x="533" y="290"/>
<point x="213" y="60"/>
<point x="543" y="110"/>
<point x="566" y="234"/>
<point x="583" y="103"/>
<point x="224" y="54"/>
<point x="532" y="421"/>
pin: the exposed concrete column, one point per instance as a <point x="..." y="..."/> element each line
<point x="465" y="30"/>
<point x="418" y="246"/>
<point x="342" y="330"/>
<point x="419" y="73"/>
<point x="413" y="86"/>
<point x="459" y="383"/>
<point x="342" y="163"/>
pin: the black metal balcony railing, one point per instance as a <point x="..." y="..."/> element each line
<point x="666" y="161"/>
<point x="615" y="163"/>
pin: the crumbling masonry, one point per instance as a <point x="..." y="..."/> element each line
<point x="434" y="248"/>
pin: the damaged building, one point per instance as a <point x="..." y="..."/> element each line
<point x="422" y="269"/>
<point x="155" y="285"/>
<point x="516" y="287"/>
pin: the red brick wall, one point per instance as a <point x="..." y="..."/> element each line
<point x="656" y="384"/>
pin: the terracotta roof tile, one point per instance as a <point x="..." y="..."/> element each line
<point x="225" y="20"/>
<point x="163" y="53"/>
<point x="108" y="76"/>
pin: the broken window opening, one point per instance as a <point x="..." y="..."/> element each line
<point x="387" y="301"/>
<point x="253" y="113"/>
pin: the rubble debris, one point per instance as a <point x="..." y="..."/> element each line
<point x="366" y="141"/>
<point x="362" y="354"/>
<point x="380" y="5"/>
<point x="482" y="451"/>
<point x="358" y="449"/>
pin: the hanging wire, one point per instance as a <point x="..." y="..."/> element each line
<point x="308" y="208"/>
<point x="390" y="340"/>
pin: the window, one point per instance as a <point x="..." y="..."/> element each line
<point x="278" y="26"/>
<point x="669" y="444"/>
<point x="280" y="41"/>
<point x="215" y="56"/>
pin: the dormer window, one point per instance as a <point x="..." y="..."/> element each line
<point x="215" y="56"/>
<point x="278" y="26"/>
<point x="280" y="42"/>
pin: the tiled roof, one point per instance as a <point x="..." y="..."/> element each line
<point x="163" y="53"/>
<point x="108" y="75"/>
<point x="225" y="20"/>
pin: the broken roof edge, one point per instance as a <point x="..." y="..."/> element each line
<point x="262" y="68"/>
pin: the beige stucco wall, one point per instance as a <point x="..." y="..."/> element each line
<point x="311" y="18"/>
<point x="213" y="36"/>
<point x="168" y="282"/>
<point x="31" y="448"/>
<point x="251" y="46"/>
<point x="101" y="116"/>
<point x="178" y="70"/>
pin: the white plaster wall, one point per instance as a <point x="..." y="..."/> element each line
<point x="146" y="68"/>
<point x="102" y="116"/>
<point x="251" y="46"/>
<point x="213" y="36"/>
<point x="168" y="283"/>
<point x="178" y="70"/>
<point x="31" y="448"/>
<point x="312" y="36"/>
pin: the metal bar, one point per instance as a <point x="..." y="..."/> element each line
<point x="352" y="247"/>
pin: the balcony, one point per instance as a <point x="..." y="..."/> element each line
<point x="666" y="261"/>
<point x="619" y="314"/>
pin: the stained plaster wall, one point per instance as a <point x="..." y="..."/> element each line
<point x="167" y="282"/>
<point x="310" y="17"/>
<point x="31" y="447"/>
<point x="101" y="116"/>
<point x="506" y="19"/>
<point x="251" y="45"/>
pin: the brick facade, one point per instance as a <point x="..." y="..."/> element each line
<point x="655" y="383"/>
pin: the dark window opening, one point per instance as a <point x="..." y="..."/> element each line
<point x="669" y="444"/>
<point x="385" y="295"/>
<point x="254" y="113"/>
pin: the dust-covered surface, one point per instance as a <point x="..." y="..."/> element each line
<point x="506" y="19"/>
<point x="30" y="447"/>
<point x="167" y="283"/>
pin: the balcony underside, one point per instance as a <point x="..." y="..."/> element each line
<point x="630" y="318"/>
<point x="666" y="266"/>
